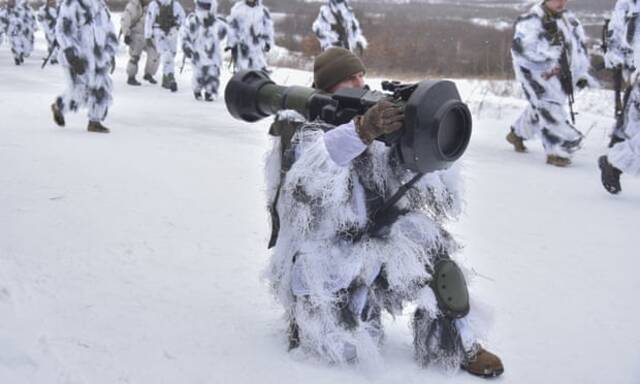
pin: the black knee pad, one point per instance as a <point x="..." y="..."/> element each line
<point x="450" y="289"/>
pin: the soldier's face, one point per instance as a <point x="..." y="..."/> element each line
<point x="252" y="3"/>
<point x="557" y="5"/>
<point x="51" y="3"/>
<point x="354" y="81"/>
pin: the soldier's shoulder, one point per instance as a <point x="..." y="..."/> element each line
<point x="530" y="19"/>
<point x="572" y="18"/>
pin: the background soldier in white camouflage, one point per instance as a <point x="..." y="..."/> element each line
<point x="47" y="16"/>
<point x="550" y="59"/>
<point x="21" y="25"/>
<point x="132" y="27"/>
<point x="162" y="24"/>
<point x="202" y="37"/>
<point x="88" y="45"/>
<point x="337" y="26"/>
<point x="623" y="49"/>
<point x="250" y="35"/>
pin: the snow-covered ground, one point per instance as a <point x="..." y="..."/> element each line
<point x="135" y="257"/>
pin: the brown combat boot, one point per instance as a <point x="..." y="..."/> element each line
<point x="517" y="142"/>
<point x="58" y="117"/>
<point x="558" y="161"/>
<point x="481" y="362"/>
<point x="96" y="126"/>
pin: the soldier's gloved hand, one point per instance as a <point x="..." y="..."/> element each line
<point x="113" y="64"/>
<point x="267" y="47"/>
<point x="127" y="39"/>
<point x="77" y="64"/>
<point x="187" y="52"/>
<point x="384" y="117"/>
<point x="582" y="83"/>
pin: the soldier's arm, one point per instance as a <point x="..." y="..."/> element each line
<point x="129" y="17"/>
<point x="344" y="144"/>
<point x="232" y="29"/>
<point x="149" y="19"/>
<point x="179" y="14"/>
<point x="361" y="41"/>
<point x="619" y="52"/>
<point x="581" y="63"/>
<point x="41" y="15"/>
<point x="187" y="34"/>
<point x="267" y="24"/>
<point x="111" y="41"/>
<point x="223" y="29"/>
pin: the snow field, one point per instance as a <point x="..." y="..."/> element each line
<point x="135" y="257"/>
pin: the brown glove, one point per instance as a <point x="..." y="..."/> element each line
<point x="384" y="117"/>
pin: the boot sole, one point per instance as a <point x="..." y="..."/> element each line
<point x="98" y="130"/>
<point x="488" y="375"/>
<point x="560" y="165"/>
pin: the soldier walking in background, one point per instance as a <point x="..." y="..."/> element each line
<point x="20" y="24"/>
<point x="162" y="24"/>
<point x="550" y="59"/>
<point x="202" y="38"/>
<point x="88" y="45"/>
<point x="623" y="48"/>
<point x="132" y="27"/>
<point x="337" y="26"/>
<point x="250" y="35"/>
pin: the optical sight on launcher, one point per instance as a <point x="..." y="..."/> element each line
<point x="435" y="133"/>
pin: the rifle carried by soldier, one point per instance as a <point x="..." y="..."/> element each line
<point x="566" y="79"/>
<point x="53" y="49"/>
<point x="565" y="75"/>
<point x="184" y="62"/>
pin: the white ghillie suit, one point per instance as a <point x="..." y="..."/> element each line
<point x="536" y="53"/>
<point x="162" y="24"/>
<point x="250" y="35"/>
<point x="337" y="26"/>
<point x="333" y="278"/>
<point x="47" y="16"/>
<point x="623" y="41"/>
<point x="202" y="37"/>
<point x="88" y="45"/>
<point x="132" y="24"/>
<point x="21" y="26"/>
